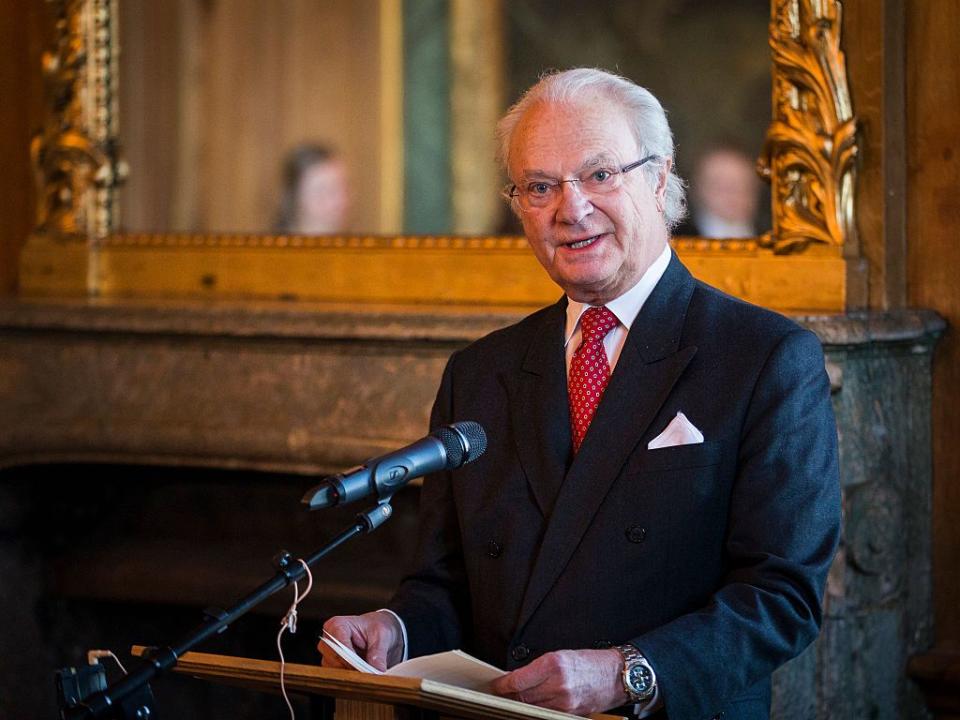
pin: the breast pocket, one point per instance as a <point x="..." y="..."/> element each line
<point x="679" y="457"/>
<point x="679" y="496"/>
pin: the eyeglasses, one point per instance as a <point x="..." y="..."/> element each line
<point x="537" y="194"/>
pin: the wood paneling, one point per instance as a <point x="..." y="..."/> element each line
<point x="21" y="35"/>
<point x="476" y="94"/>
<point x="214" y="93"/>
<point x="873" y="43"/>
<point x="933" y="106"/>
<point x="153" y="139"/>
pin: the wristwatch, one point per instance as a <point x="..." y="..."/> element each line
<point x="639" y="680"/>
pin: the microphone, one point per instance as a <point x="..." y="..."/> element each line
<point x="445" y="448"/>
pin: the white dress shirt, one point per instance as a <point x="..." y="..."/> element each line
<point x="626" y="308"/>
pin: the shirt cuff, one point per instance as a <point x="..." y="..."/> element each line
<point x="403" y="631"/>
<point x="649" y="707"/>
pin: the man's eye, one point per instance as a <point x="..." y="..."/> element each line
<point x="538" y="188"/>
<point x="601" y="176"/>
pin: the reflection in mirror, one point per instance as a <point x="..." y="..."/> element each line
<point x="315" y="193"/>
<point x="215" y="94"/>
<point x="708" y="62"/>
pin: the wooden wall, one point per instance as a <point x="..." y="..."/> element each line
<point x="213" y="94"/>
<point x="933" y="236"/>
<point x="905" y="83"/>
<point x="873" y="42"/>
<point x="21" y="32"/>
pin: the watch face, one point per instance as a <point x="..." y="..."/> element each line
<point x="640" y="678"/>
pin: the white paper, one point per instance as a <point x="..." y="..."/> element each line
<point x="348" y="655"/>
<point x="453" y="667"/>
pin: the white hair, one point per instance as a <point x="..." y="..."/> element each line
<point x="644" y="112"/>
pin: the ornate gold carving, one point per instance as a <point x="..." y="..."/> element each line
<point x="724" y="246"/>
<point x="811" y="144"/>
<point x="74" y="156"/>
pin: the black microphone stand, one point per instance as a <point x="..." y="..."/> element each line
<point x="130" y="698"/>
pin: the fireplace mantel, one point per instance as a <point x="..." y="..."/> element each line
<point x="274" y="386"/>
<point x="268" y="386"/>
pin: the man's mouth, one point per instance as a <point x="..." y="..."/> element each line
<point x="586" y="242"/>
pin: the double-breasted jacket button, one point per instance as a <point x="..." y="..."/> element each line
<point x="494" y="549"/>
<point x="520" y="653"/>
<point x="636" y="533"/>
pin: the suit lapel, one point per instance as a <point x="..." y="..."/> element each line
<point x="650" y="364"/>
<point x="539" y="412"/>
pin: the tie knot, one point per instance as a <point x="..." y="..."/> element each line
<point x="597" y="322"/>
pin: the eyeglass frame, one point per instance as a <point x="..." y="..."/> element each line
<point x="512" y="191"/>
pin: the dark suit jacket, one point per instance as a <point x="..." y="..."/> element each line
<point x="710" y="558"/>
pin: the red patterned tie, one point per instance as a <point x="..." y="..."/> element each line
<point x="589" y="371"/>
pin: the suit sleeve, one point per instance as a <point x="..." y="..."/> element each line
<point x="433" y="598"/>
<point x="783" y="531"/>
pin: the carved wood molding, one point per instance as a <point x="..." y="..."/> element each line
<point x="327" y="242"/>
<point x="228" y="241"/>
<point x="75" y="155"/>
<point x="811" y="144"/>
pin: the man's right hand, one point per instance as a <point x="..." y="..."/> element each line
<point x="375" y="636"/>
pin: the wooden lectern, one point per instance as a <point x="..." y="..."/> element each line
<point x="361" y="696"/>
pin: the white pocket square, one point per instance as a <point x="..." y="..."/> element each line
<point x="680" y="431"/>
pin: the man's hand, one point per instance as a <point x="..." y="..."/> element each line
<point x="574" y="681"/>
<point x="375" y="636"/>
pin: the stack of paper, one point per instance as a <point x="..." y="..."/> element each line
<point x="453" y="667"/>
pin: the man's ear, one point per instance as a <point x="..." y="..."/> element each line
<point x="662" y="175"/>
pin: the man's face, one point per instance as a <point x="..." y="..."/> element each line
<point x="727" y="187"/>
<point x="625" y="229"/>
<point x="323" y="197"/>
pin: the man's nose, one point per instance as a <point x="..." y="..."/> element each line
<point x="574" y="205"/>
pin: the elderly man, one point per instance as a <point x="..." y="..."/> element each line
<point x="652" y="525"/>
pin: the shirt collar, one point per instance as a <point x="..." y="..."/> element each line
<point x="715" y="227"/>
<point x="627" y="306"/>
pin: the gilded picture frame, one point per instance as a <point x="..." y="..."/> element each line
<point x="800" y="266"/>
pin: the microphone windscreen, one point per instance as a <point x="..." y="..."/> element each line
<point x="463" y="442"/>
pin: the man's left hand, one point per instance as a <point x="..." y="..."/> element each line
<point x="574" y="681"/>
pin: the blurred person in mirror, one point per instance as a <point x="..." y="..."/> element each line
<point x="725" y="194"/>
<point x="315" y="195"/>
<point x="651" y="525"/>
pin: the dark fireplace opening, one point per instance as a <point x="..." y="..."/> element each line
<point x="108" y="556"/>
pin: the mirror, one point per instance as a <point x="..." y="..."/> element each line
<point x="442" y="80"/>
<point x="215" y="96"/>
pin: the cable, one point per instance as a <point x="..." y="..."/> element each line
<point x="289" y="622"/>
<point x="93" y="657"/>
